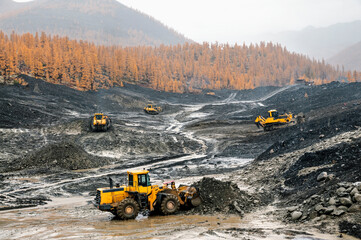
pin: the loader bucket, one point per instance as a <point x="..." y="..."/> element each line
<point x="196" y="201"/>
<point x="194" y="198"/>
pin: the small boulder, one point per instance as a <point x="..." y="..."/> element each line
<point x="357" y="197"/>
<point x="330" y="209"/>
<point x="346" y="201"/>
<point x="313" y="214"/>
<point x="358" y="185"/>
<point x="355" y="208"/>
<point x="338" y="212"/>
<point x="322" y="176"/>
<point x="320" y="209"/>
<point x="332" y="201"/>
<point x="296" y="215"/>
<point x="344" y="184"/>
<point x="342" y="208"/>
<point x="292" y="209"/>
<point x="238" y="209"/>
<point x="341" y="192"/>
<point x="315" y="196"/>
<point x="330" y="176"/>
<point x="354" y="191"/>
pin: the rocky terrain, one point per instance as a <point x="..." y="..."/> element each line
<point x="305" y="179"/>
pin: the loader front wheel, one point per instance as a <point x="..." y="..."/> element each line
<point x="169" y="205"/>
<point x="128" y="209"/>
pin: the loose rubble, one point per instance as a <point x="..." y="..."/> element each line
<point x="223" y="197"/>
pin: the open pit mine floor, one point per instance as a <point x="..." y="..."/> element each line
<point x="298" y="182"/>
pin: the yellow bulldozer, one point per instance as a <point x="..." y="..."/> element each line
<point x="274" y="120"/>
<point x="100" y="122"/>
<point x="128" y="200"/>
<point x="152" y="109"/>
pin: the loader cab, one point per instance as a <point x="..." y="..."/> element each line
<point x="139" y="181"/>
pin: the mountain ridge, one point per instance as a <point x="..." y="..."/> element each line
<point x="321" y="42"/>
<point x="349" y="58"/>
<point x="104" y="22"/>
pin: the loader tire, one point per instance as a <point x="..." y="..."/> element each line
<point x="128" y="209"/>
<point x="169" y="205"/>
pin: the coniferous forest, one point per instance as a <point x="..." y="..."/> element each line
<point x="179" y="68"/>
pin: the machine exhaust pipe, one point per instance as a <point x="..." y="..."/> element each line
<point x="110" y="182"/>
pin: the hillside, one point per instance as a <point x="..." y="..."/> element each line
<point x="106" y="22"/>
<point x="181" y="68"/>
<point x="349" y="58"/>
<point x="321" y="43"/>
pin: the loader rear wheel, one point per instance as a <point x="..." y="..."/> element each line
<point x="169" y="205"/>
<point x="128" y="209"/>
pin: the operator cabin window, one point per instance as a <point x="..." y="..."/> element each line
<point x="130" y="180"/>
<point x="143" y="180"/>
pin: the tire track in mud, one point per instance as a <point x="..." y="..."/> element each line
<point x="189" y="116"/>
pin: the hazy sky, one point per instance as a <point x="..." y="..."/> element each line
<point x="242" y="20"/>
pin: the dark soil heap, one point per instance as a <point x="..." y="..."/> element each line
<point x="342" y="161"/>
<point x="65" y="155"/>
<point x="352" y="229"/>
<point x="222" y="197"/>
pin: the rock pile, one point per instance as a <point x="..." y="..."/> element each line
<point x="346" y="197"/>
<point x="223" y="197"/>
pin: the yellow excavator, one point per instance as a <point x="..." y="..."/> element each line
<point x="274" y="120"/>
<point x="152" y="109"/>
<point x="128" y="200"/>
<point x="100" y="122"/>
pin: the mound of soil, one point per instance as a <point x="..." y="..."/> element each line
<point x="342" y="161"/>
<point x="64" y="155"/>
<point x="223" y="197"/>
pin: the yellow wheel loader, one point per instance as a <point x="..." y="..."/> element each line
<point x="100" y="122"/>
<point x="274" y="120"/>
<point x="152" y="109"/>
<point x="128" y="200"/>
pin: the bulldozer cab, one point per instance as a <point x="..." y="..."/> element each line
<point x="98" y="116"/>
<point x="139" y="181"/>
<point x="273" y="114"/>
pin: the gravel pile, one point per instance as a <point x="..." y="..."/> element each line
<point x="64" y="155"/>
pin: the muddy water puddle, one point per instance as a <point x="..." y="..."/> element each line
<point x="77" y="218"/>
